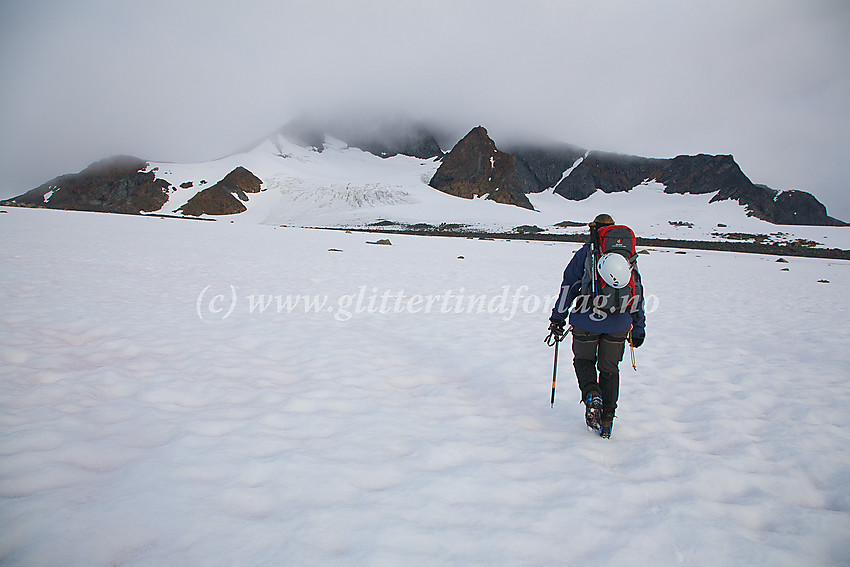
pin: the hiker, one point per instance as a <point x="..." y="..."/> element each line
<point x="603" y="277"/>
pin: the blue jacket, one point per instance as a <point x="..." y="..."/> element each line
<point x="586" y="320"/>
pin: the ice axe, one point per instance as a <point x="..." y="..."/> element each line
<point x="553" y="339"/>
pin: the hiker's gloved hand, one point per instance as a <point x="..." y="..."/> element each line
<point x="556" y="328"/>
<point x="638" y="340"/>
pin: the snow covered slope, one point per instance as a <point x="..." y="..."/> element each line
<point x="303" y="186"/>
<point x="345" y="186"/>
<point x="159" y="405"/>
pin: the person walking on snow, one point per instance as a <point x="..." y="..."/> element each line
<point x="599" y="335"/>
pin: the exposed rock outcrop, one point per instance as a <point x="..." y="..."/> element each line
<point x="800" y="207"/>
<point x="542" y="166"/>
<point x="476" y="168"/>
<point x="241" y="181"/>
<point x="221" y="198"/>
<point x="212" y="201"/>
<point x="609" y="173"/>
<point x="112" y="185"/>
<point x="700" y="174"/>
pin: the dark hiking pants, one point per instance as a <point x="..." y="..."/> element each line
<point x="603" y="352"/>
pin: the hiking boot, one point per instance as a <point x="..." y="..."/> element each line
<point x="593" y="411"/>
<point x="606" y="423"/>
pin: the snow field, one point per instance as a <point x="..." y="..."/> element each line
<point x="139" y="429"/>
<point x="343" y="186"/>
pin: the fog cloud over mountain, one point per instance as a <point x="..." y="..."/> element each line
<point x="765" y="80"/>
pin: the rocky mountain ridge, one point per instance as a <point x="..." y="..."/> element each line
<point x="576" y="174"/>
<point x="113" y="185"/>
<point x="474" y="168"/>
<point x="700" y="174"/>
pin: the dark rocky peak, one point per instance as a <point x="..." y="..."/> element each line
<point x="475" y="168"/>
<point x="607" y="172"/>
<point x="721" y="174"/>
<point x="800" y="207"/>
<point x="778" y="207"/>
<point x="240" y="180"/>
<point x="224" y="197"/>
<point x="701" y="174"/>
<point x="115" y="185"/>
<point x="542" y="165"/>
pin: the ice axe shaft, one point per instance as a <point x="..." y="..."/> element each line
<point x="554" y="375"/>
<point x="551" y="340"/>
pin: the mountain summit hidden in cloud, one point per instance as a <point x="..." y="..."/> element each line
<point x="475" y="168"/>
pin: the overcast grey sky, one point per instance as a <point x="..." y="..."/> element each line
<point x="178" y="80"/>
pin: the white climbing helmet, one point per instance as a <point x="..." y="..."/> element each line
<point x="614" y="269"/>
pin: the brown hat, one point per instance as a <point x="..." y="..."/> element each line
<point x="602" y="220"/>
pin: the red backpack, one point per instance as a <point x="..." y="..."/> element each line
<point x="596" y="293"/>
